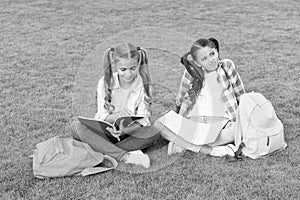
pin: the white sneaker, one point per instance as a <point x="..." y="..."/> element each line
<point x="233" y="148"/>
<point x="138" y="158"/>
<point x="173" y="148"/>
<point x="220" y="151"/>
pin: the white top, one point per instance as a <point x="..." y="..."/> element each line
<point x="131" y="99"/>
<point x="209" y="102"/>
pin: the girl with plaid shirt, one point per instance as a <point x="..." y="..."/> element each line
<point x="210" y="91"/>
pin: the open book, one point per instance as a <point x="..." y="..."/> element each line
<point x="194" y="132"/>
<point x="100" y="126"/>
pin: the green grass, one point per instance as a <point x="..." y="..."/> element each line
<point x="50" y="56"/>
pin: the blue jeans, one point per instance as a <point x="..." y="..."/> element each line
<point x="98" y="141"/>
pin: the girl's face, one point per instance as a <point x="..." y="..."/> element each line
<point x="127" y="70"/>
<point x="208" y="58"/>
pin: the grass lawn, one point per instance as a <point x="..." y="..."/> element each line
<point x="50" y="62"/>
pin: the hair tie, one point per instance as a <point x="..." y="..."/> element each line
<point x="138" y="48"/>
<point x="112" y="49"/>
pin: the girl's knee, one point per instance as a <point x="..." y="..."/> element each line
<point x="166" y="133"/>
<point x="147" y="132"/>
<point x="158" y="124"/>
<point x="160" y="128"/>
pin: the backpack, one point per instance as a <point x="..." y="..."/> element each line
<point x="259" y="131"/>
<point x="60" y="156"/>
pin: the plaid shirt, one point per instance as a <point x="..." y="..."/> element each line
<point x="230" y="80"/>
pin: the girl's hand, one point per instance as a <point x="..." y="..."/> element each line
<point x="177" y="109"/>
<point x="117" y="133"/>
<point x="114" y="132"/>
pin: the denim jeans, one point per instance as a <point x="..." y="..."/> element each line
<point x="98" y="141"/>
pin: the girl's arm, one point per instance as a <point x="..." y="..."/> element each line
<point x="102" y="113"/>
<point x="183" y="88"/>
<point x="144" y="110"/>
<point x="131" y="128"/>
<point x="124" y="130"/>
<point x="235" y="80"/>
<point x="238" y="88"/>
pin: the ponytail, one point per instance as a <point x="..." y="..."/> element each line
<point x="108" y="79"/>
<point x="196" y="85"/>
<point x="145" y="74"/>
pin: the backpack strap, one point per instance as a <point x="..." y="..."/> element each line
<point x="95" y="170"/>
<point x="238" y="154"/>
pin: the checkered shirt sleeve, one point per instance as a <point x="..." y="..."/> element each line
<point x="233" y="86"/>
<point x="183" y="88"/>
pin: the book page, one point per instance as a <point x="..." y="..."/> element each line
<point x="94" y="123"/>
<point x="127" y="120"/>
<point x="98" y="126"/>
<point x="194" y="132"/>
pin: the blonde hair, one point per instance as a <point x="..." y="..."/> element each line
<point x="125" y="51"/>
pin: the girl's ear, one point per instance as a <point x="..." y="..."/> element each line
<point x="216" y="42"/>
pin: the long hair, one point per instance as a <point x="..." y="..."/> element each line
<point x="126" y="51"/>
<point x="195" y="70"/>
